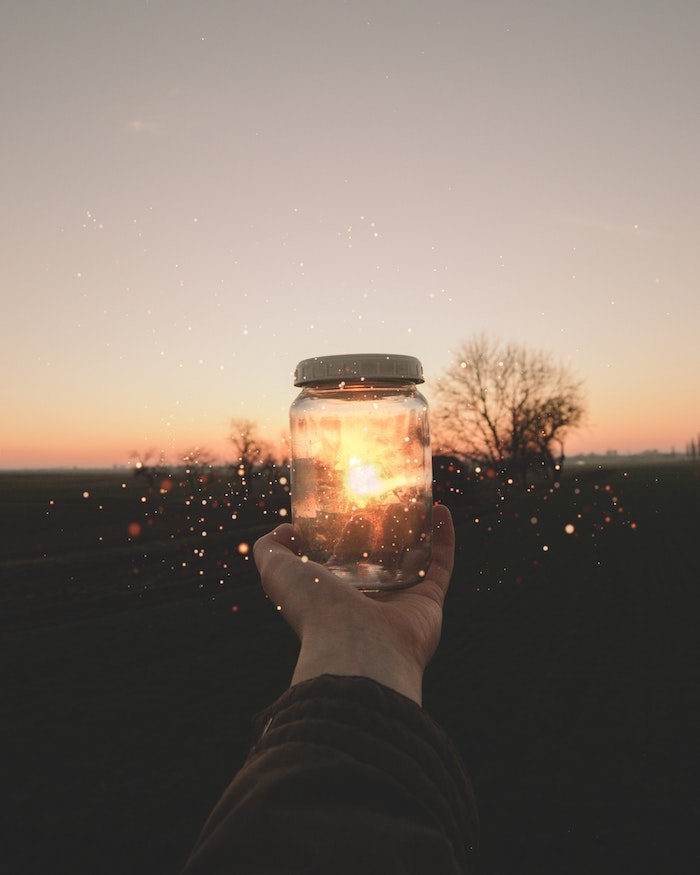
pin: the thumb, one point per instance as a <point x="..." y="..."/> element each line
<point x="276" y="555"/>
<point x="302" y="590"/>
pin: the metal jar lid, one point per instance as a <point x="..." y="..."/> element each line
<point x="362" y="367"/>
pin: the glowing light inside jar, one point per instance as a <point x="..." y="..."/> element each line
<point x="366" y="462"/>
<point x="363" y="480"/>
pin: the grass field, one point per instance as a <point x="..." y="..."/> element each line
<point x="136" y="649"/>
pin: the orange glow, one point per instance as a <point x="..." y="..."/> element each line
<point x="651" y="417"/>
<point x="361" y="461"/>
<point x="144" y="313"/>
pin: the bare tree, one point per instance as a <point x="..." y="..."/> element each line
<point x="198" y="465"/>
<point x="248" y="448"/>
<point x="249" y="452"/>
<point x="146" y="466"/>
<point x="507" y="405"/>
<point x="262" y="466"/>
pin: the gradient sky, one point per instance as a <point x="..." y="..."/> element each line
<point x="196" y="195"/>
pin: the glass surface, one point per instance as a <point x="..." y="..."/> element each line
<point x="362" y="482"/>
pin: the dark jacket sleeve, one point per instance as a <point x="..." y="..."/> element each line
<point x="347" y="777"/>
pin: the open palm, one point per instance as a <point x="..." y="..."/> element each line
<point x="389" y="636"/>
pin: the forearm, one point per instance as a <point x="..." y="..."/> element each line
<point x="348" y="776"/>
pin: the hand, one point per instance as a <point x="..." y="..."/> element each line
<point x="387" y="636"/>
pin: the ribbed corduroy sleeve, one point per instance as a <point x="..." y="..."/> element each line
<point x="348" y="776"/>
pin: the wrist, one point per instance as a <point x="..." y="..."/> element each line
<point x="359" y="656"/>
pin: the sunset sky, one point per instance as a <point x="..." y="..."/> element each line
<point x="197" y="195"/>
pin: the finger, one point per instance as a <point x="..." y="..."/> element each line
<point x="275" y="551"/>
<point x="442" y="562"/>
<point x="286" y="535"/>
<point x="443" y="539"/>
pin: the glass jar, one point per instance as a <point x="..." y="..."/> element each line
<point x="362" y="468"/>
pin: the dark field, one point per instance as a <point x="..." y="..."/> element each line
<point x="134" y="658"/>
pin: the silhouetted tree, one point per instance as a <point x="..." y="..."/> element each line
<point x="146" y="466"/>
<point x="198" y="465"/>
<point x="249" y="451"/>
<point x="508" y="406"/>
<point x="247" y="446"/>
